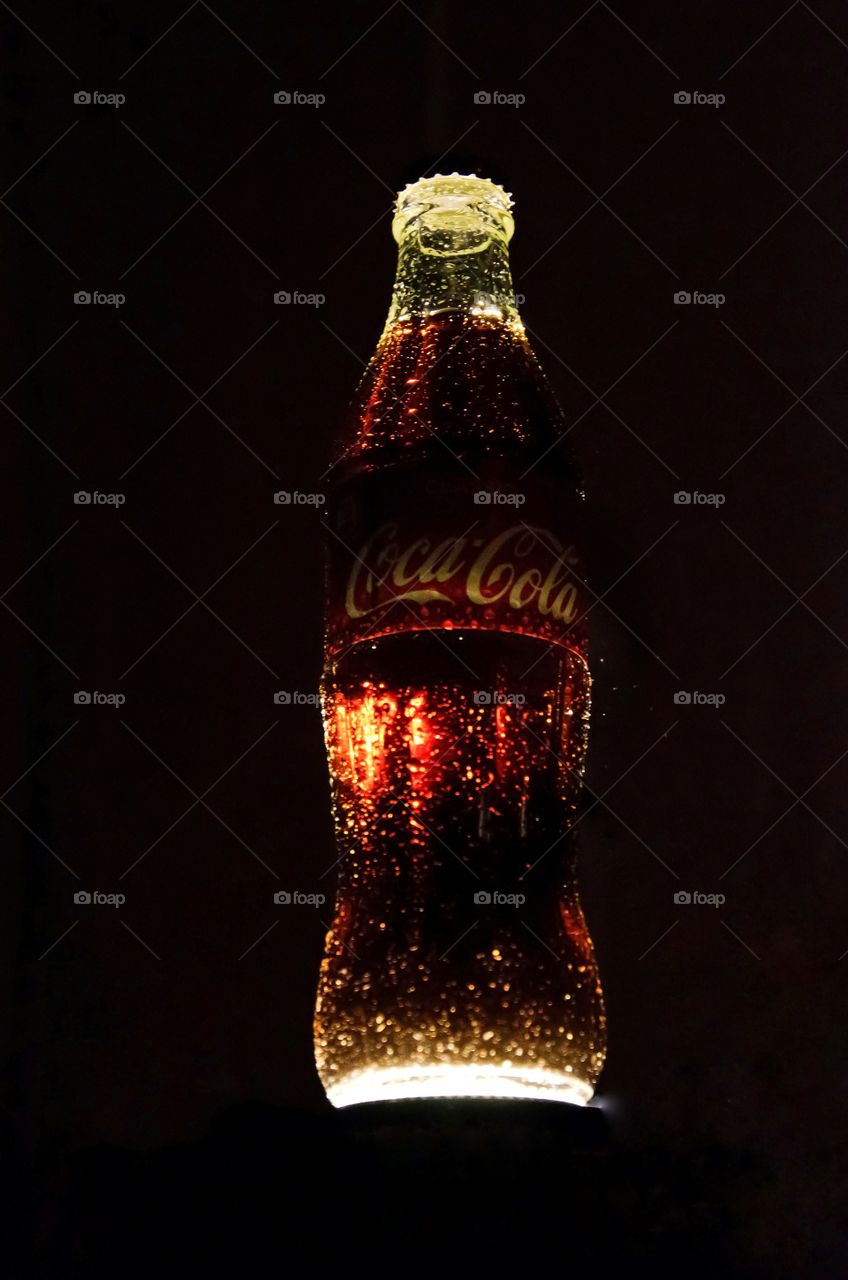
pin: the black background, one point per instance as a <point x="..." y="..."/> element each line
<point x="197" y="399"/>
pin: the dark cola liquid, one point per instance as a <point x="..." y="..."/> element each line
<point x="457" y="388"/>
<point x="459" y="962"/>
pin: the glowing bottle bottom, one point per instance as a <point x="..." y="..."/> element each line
<point x="458" y="963"/>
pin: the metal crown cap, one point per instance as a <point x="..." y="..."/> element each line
<point x="453" y="195"/>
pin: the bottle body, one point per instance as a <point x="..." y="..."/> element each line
<point x="456" y="697"/>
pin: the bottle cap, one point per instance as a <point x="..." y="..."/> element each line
<point x="454" y="202"/>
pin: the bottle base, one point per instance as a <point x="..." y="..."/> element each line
<point x="378" y="1084"/>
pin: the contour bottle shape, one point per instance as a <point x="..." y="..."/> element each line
<point x="456" y="694"/>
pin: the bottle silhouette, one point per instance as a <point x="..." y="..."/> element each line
<point x="456" y="694"/>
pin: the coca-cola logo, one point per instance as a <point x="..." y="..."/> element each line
<point x="519" y="568"/>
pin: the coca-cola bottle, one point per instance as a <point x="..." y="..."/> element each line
<point x="456" y="694"/>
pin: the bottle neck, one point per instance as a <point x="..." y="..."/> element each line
<point x="463" y="270"/>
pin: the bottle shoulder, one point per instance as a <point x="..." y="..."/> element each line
<point x="454" y="385"/>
